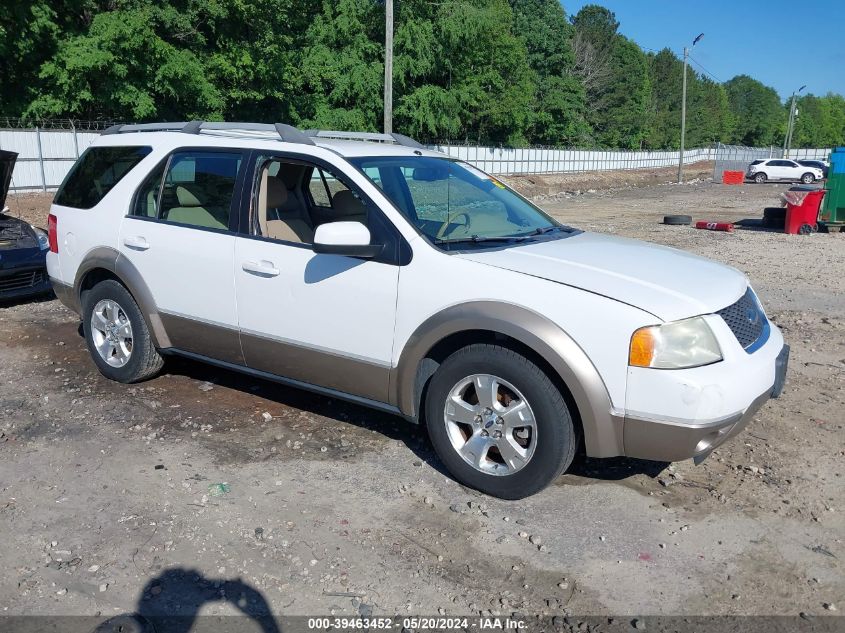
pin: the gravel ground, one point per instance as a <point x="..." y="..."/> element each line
<point x="109" y="495"/>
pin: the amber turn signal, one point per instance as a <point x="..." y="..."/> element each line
<point x="641" y="353"/>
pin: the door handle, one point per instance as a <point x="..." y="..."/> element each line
<point x="263" y="268"/>
<point x="136" y="242"/>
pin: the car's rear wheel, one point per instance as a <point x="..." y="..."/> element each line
<point x="498" y="422"/>
<point x="808" y="178"/>
<point x="116" y="334"/>
<point x="760" y="177"/>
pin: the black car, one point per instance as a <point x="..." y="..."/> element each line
<point x="23" y="248"/>
<point x="818" y="164"/>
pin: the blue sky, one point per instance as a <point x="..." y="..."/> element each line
<point x="760" y="39"/>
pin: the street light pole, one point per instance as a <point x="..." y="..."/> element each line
<point x="790" y="124"/>
<point x="388" y="66"/>
<point x="684" y="111"/>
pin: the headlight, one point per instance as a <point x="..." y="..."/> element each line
<point x="43" y="240"/>
<point x="676" y="345"/>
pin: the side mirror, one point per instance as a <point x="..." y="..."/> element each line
<point x="351" y="239"/>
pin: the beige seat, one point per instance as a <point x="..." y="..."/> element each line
<point x="347" y="208"/>
<point x="277" y="218"/>
<point x="191" y="211"/>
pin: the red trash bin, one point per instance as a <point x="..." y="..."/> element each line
<point x="802" y="209"/>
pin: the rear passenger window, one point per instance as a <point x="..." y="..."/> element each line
<point x="197" y="189"/>
<point x="96" y="172"/>
<point x="146" y="201"/>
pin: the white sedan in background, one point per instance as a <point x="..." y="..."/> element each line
<point x="782" y="169"/>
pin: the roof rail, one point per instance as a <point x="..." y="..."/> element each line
<point x="399" y="139"/>
<point x="287" y="133"/>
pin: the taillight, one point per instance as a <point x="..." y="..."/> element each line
<point x="52" y="233"/>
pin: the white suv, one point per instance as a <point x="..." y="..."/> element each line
<point x="378" y="271"/>
<point x="781" y="169"/>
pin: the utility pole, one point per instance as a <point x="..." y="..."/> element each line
<point x="684" y="111"/>
<point x="790" y="124"/>
<point x="388" y="66"/>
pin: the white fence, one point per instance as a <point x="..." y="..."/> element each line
<point x="505" y="161"/>
<point x="46" y="155"/>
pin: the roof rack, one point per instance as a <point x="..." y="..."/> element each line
<point x="287" y="133"/>
<point x="399" y="139"/>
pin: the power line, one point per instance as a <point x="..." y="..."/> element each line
<point x="707" y="72"/>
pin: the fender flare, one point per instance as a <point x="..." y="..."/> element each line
<point x="601" y="425"/>
<point x="111" y="260"/>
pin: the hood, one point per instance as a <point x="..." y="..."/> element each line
<point x="7" y="164"/>
<point x="669" y="283"/>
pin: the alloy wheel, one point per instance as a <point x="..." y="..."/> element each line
<point x="490" y="424"/>
<point x="111" y="332"/>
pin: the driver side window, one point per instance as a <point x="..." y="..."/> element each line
<point x="292" y="198"/>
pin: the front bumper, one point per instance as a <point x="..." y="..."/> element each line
<point x="675" y="440"/>
<point x="18" y="283"/>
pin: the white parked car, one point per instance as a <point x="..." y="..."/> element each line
<point x="782" y="169"/>
<point x="393" y="276"/>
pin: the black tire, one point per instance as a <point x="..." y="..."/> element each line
<point x="775" y="213"/>
<point x="760" y="177"/>
<point x="677" y="220"/>
<point x="556" y="439"/>
<point x="144" y="360"/>
<point x="808" y="178"/>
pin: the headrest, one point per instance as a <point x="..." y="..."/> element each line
<point x="346" y="204"/>
<point x="277" y="193"/>
<point x="186" y="198"/>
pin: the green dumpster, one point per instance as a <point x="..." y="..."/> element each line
<point x="832" y="212"/>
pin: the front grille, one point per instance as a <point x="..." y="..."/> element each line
<point x="21" y="280"/>
<point x="745" y="318"/>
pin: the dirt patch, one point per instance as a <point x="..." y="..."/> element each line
<point x="541" y="186"/>
<point x="30" y="207"/>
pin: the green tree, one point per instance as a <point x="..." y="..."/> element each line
<point x="616" y="77"/>
<point x="467" y="77"/>
<point x="820" y="121"/>
<point x="342" y="67"/>
<point x="758" y="114"/>
<point x="138" y="60"/>
<point x="666" y="72"/>
<point x="560" y="107"/>
<point x="29" y="33"/>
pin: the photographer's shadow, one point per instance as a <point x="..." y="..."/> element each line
<point x="171" y="602"/>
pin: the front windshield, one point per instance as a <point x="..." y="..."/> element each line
<point x="451" y="201"/>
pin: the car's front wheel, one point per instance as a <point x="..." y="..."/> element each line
<point x="117" y="335"/>
<point x="808" y="178"/>
<point x="759" y="177"/>
<point x="498" y="423"/>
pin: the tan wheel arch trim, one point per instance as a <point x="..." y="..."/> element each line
<point x="602" y="427"/>
<point x="111" y="260"/>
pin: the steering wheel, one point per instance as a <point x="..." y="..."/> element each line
<point x="444" y="228"/>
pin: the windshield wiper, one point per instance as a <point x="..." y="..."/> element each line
<point x="548" y="229"/>
<point x="476" y="239"/>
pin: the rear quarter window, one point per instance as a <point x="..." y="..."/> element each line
<point x="96" y="172"/>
